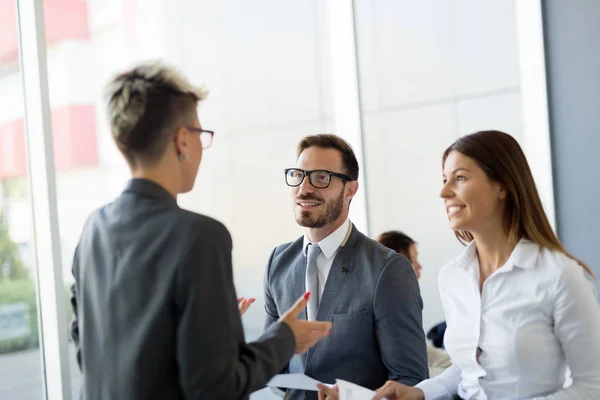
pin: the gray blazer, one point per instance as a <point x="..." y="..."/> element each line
<point x="373" y="300"/>
<point x="156" y="315"/>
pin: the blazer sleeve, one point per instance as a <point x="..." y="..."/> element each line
<point x="271" y="314"/>
<point x="213" y="359"/>
<point x="75" y="321"/>
<point x="75" y="324"/>
<point x="398" y="311"/>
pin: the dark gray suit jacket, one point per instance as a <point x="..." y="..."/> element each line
<point x="156" y="310"/>
<point x="373" y="300"/>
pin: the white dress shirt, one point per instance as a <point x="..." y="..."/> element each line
<point x="534" y="317"/>
<point x="329" y="247"/>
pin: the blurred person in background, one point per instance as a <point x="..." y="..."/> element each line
<point x="403" y="244"/>
<point x="437" y="359"/>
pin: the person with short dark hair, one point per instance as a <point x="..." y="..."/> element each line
<point x="370" y="293"/>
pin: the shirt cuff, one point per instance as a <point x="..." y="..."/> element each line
<point x="434" y="390"/>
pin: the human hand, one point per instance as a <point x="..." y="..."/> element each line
<point x="396" y="391"/>
<point x="244" y="304"/>
<point x="306" y="333"/>
<point x="328" y="393"/>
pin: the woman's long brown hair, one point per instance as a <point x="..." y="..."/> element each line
<point x="503" y="161"/>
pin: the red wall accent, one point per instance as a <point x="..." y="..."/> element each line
<point x="74" y="136"/>
<point x="8" y="31"/>
<point x="64" y="19"/>
<point x="12" y="149"/>
<point x="74" y="139"/>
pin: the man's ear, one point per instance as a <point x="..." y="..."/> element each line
<point x="351" y="189"/>
<point x="181" y="141"/>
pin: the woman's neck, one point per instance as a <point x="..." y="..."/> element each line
<point x="493" y="250"/>
<point x="165" y="177"/>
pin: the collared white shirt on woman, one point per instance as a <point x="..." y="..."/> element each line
<point x="534" y="317"/>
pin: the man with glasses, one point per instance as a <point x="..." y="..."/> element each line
<point x="369" y="292"/>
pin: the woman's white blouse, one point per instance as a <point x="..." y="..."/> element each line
<point x="535" y="316"/>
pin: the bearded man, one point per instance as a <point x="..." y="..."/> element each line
<point x="368" y="291"/>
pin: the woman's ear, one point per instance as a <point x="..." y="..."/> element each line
<point x="181" y="141"/>
<point x="502" y="194"/>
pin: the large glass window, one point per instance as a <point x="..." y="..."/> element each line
<point x="20" y="359"/>
<point x="429" y="72"/>
<point x="266" y="65"/>
<point x="425" y="79"/>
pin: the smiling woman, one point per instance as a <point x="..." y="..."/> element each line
<point x="500" y="171"/>
<point x="513" y="265"/>
<point x="472" y="200"/>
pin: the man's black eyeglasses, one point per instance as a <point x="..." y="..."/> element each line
<point x="206" y="137"/>
<point x="319" y="178"/>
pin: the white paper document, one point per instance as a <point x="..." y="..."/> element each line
<point x="350" y="391"/>
<point x="295" y="381"/>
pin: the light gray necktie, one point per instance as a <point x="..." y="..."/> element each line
<point x="312" y="281"/>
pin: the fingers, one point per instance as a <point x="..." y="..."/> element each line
<point x="327" y="393"/>
<point x="386" y="391"/>
<point x="297" y="308"/>
<point x="309" y="333"/>
<point x="321" y="394"/>
<point x="306" y="333"/>
<point x="244" y="304"/>
<point x="242" y="300"/>
<point x="327" y="390"/>
<point x="381" y="394"/>
<point x="319" y="333"/>
<point x="319" y="327"/>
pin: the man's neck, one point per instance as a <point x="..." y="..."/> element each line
<point x="315" y="235"/>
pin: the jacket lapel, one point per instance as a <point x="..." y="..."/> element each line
<point x="342" y="267"/>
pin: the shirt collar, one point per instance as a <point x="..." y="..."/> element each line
<point x="148" y="188"/>
<point x="468" y="258"/>
<point x="331" y="243"/>
<point x="523" y="256"/>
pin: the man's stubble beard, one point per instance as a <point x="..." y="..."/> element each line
<point x="332" y="213"/>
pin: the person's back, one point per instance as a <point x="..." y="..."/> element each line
<point x="155" y="310"/>
<point x="127" y="271"/>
